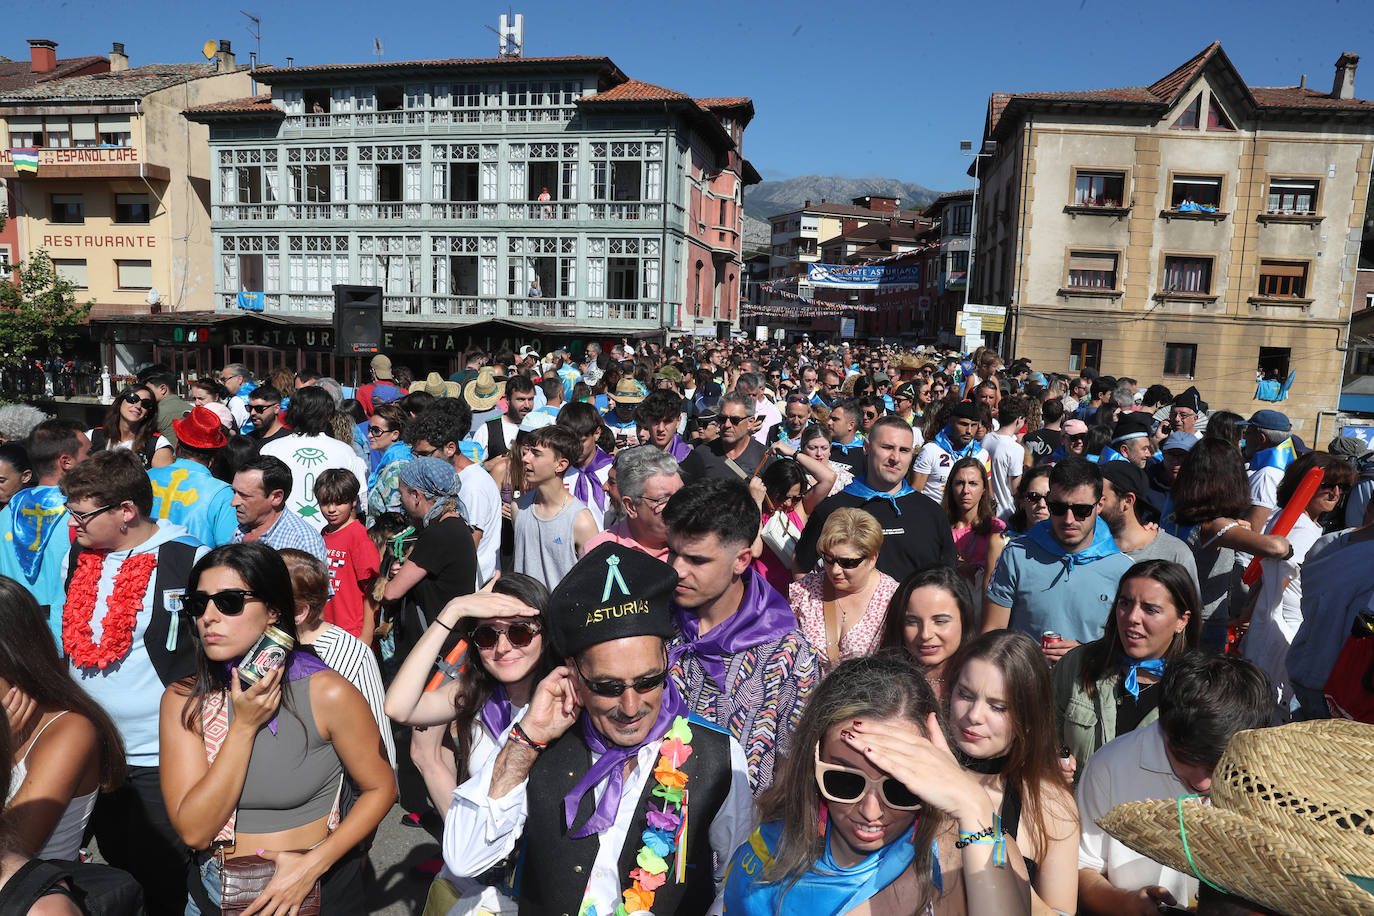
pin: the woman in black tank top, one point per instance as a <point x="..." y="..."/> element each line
<point x="1001" y="714"/>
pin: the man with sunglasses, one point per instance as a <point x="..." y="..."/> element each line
<point x="239" y="381"/>
<point x="739" y="658"/>
<point x="736" y="454"/>
<point x="264" y="412"/>
<point x="1061" y="577"/>
<point x="575" y="784"/>
<point x="170" y="405"/>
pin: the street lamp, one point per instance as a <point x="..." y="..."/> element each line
<point x="966" y="148"/>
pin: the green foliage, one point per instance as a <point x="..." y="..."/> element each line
<point x="39" y="314"/>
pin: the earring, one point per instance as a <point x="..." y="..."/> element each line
<point x="915" y="827"/>
<point x="123" y="528"/>
<point x="824" y="820"/>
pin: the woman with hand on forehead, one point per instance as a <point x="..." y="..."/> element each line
<point x="505" y="657"/>
<point x="870" y="812"/>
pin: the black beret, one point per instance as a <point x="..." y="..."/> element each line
<point x="1192" y="400"/>
<point x="1133" y="426"/>
<point x="611" y="593"/>
<point x="966" y="410"/>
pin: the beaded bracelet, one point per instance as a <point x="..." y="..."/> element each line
<point x="991" y="835"/>
<point x="519" y="736"/>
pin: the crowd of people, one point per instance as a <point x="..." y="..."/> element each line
<point x="699" y="629"/>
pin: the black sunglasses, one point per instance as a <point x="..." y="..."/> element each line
<point x="1080" y="510"/>
<point x="145" y="403"/>
<point x="842" y="562"/>
<point x="733" y="421"/>
<point x="518" y="635"/>
<point x="646" y="684"/>
<point x="259" y="408"/>
<point x="377" y="431"/>
<point x="229" y="601"/>
<point x="1034" y="497"/>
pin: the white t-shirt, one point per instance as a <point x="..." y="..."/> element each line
<point x="481" y="434"/>
<point x="1008" y="460"/>
<point x="935" y="462"/>
<point x="482" y="498"/>
<point x="307" y="456"/>
<point x="1134" y="767"/>
<point x="1264" y="487"/>
<point x="158" y="438"/>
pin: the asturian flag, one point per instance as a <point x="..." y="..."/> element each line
<point x="25" y="160"/>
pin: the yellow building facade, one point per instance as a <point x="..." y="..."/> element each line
<point x="1197" y="231"/>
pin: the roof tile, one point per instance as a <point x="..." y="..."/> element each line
<point x="250" y="105"/>
<point x="135" y="82"/>
<point x="18" y="74"/>
<point x="637" y="91"/>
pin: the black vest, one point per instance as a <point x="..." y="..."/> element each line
<point x="496" y="438"/>
<point x="556" y="866"/>
<point x="173" y="654"/>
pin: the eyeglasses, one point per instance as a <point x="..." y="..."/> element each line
<point x="145" y="403"/>
<point x="1080" y="510"/>
<point x="656" y="502"/>
<point x="423" y="453"/>
<point x="229" y="602"/>
<point x="518" y="635"/>
<point x="377" y="431"/>
<point x="259" y="408"/>
<point x="733" y="421"/>
<point x="842" y="562"/>
<point x="84" y="517"/>
<point x="847" y="786"/>
<point x="1034" y="497"/>
<point x="646" y="684"/>
<point x="225" y="378"/>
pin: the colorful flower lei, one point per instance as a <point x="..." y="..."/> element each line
<point x="666" y="835"/>
<point x="124" y="603"/>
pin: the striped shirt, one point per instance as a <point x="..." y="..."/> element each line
<point x="350" y="657"/>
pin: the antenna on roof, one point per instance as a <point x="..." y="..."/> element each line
<point x="377" y="48"/>
<point x="511" y="34"/>
<point x="255" y="31"/>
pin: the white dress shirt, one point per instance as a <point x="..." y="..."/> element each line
<point x="480" y="831"/>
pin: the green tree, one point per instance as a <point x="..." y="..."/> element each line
<point x="39" y="314"/>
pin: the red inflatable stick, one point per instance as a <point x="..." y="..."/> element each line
<point x="1288" y="517"/>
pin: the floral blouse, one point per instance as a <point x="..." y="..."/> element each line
<point x="863" y="636"/>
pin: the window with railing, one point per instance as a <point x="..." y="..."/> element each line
<point x="1189" y="275"/>
<point x="1293" y="196"/>
<point x="1283" y="278"/>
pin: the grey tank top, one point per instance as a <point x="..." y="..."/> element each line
<point x="293" y="776"/>
<point x="545" y="549"/>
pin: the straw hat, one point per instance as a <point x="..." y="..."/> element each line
<point x="483" y="392"/>
<point x="435" y="385"/>
<point x="628" y="391"/>
<point x="1290" y="825"/>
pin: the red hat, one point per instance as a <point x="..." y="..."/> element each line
<point x="200" y="429"/>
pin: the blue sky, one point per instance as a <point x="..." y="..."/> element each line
<point x="857" y="89"/>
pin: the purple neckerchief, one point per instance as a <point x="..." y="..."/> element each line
<point x="679" y="449"/>
<point x="300" y="664"/>
<point x="496" y="713"/>
<point x="611" y="765"/>
<point x="587" y="487"/>
<point x="763" y="616"/>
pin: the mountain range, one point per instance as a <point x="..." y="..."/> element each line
<point x="769" y="198"/>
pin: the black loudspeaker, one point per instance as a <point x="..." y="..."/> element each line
<point x="722" y="330"/>
<point x="357" y="319"/>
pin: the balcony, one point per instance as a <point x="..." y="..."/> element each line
<point x="632" y="314"/>
<point x="420" y="121"/>
<point x="87" y="162"/>
<point x="565" y="212"/>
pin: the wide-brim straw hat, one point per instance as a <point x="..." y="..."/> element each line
<point x="434" y="384"/>
<point x="483" y="392"/>
<point x="628" y="391"/>
<point x="1290" y="825"/>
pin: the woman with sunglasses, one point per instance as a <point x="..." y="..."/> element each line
<point x="791" y="498"/>
<point x="505" y="656"/>
<point x="976" y="528"/>
<point x="390" y="453"/>
<point x="1000" y="703"/>
<point x="841" y="606"/>
<point x="131" y="423"/>
<point x="1032" y="506"/>
<point x="281" y="746"/>
<point x="1276" y="613"/>
<point x="1108" y="687"/>
<point x="870" y="812"/>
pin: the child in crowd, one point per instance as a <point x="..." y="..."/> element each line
<point x="353" y="558"/>
<point x="550" y="524"/>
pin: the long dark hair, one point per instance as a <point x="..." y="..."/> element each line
<point x="945" y="577"/>
<point x="1101" y="655"/>
<point x="1018" y="520"/>
<point x="476" y="684"/>
<point x="144" y="430"/>
<point x="1033" y="759"/>
<point x="264" y="572"/>
<point x="30" y="661"/>
<point x="982" y="525"/>
<point x="875" y="687"/>
<point x="1211" y="483"/>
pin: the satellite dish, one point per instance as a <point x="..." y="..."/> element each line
<point x="209" y="49"/>
<point x="154" y="297"/>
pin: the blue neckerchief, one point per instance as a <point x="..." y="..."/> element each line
<point x="1109" y="454"/>
<point x="396" y="451"/>
<point x="1279" y="456"/>
<point x="968" y="451"/>
<point x="824" y="888"/>
<point x="861" y="489"/>
<point x="1153" y="666"/>
<point x="1103" y="545"/>
<point x="856" y="442"/>
<point x="35" y="513"/>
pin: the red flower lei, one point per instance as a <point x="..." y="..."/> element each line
<point x="117" y="626"/>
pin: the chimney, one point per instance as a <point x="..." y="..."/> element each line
<point x="118" y="59"/>
<point x="224" y="57"/>
<point x="807" y="205"/>
<point x="1302" y="83"/>
<point x="1344" y="86"/>
<point x="42" y="55"/>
